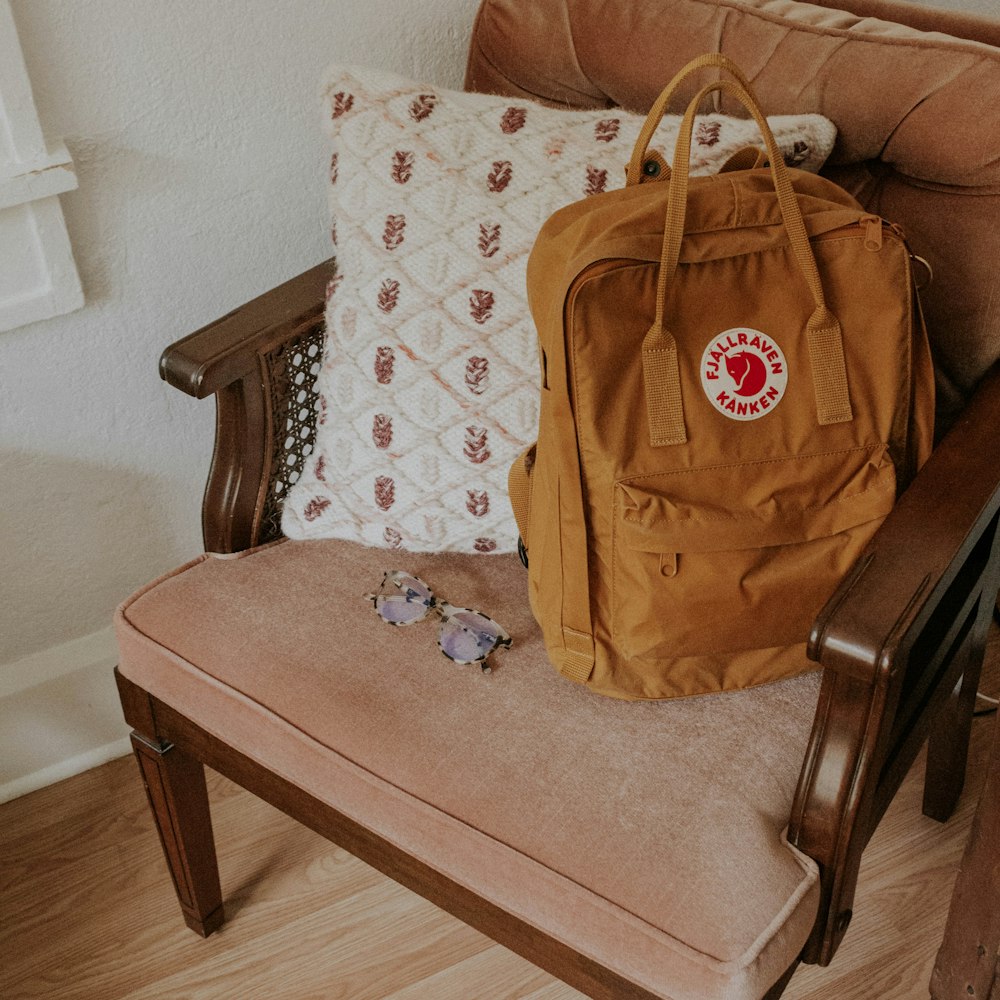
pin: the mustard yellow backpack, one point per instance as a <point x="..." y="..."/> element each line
<point x="736" y="383"/>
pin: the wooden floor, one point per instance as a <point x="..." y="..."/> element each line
<point x="87" y="911"/>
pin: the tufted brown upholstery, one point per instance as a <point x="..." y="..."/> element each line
<point x="918" y="139"/>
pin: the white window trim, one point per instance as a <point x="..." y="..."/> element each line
<point x="32" y="176"/>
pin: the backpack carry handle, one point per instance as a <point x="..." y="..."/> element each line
<point x="791" y="214"/>
<point x="661" y="374"/>
<point x="633" y="173"/>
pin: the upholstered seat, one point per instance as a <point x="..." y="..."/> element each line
<point x="622" y="829"/>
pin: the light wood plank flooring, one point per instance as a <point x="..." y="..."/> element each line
<point x="87" y="911"/>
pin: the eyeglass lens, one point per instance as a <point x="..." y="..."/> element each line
<point x="402" y="599"/>
<point x="468" y="636"/>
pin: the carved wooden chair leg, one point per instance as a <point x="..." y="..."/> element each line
<point x="968" y="965"/>
<point x="948" y="742"/>
<point x="948" y="749"/>
<point x="178" y="797"/>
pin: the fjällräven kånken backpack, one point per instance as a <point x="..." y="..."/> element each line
<point x="736" y="382"/>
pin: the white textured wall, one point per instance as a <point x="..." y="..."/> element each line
<point x="194" y="125"/>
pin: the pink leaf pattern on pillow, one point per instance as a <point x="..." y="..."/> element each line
<point x="392" y="235"/>
<point x="481" y="305"/>
<point x="798" y="154"/>
<point x="333" y="233"/>
<point x="322" y="408"/>
<point x="489" y="240"/>
<point x="334" y="167"/>
<point x="421" y="106"/>
<point x="485" y="545"/>
<point x="392" y="538"/>
<point x="385" y="360"/>
<point x="477" y="371"/>
<point x="476" y="445"/>
<point x="315" y="507"/>
<point x="385" y="492"/>
<point x="597" y="181"/>
<point x="382" y="430"/>
<point x="334" y="283"/>
<point x="320" y="469"/>
<point x="513" y="120"/>
<point x="707" y="133"/>
<point x="388" y="296"/>
<point x="341" y="104"/>
<point x="607" y="130"/>
<point x="499" y="177"/>
<point x="477" y="502"/>
<point x="402" y="166"/>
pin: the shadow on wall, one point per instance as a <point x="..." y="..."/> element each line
<point x="76" y="538"/>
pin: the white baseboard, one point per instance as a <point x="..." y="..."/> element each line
<point x="57" y="661"/>
<point x="66" y="768"/>
<point x="59" y="714"/>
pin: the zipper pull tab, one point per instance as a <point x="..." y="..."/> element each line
<point x="873" y="232"/>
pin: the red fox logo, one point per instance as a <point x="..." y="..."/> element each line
<point x="743" y="373"/>
<point x="748" y="371"/>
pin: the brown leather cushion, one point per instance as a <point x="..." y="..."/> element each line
<point x="938" y="15"/>
<point x="646" y="834"/>
<point x="915" y="110"/>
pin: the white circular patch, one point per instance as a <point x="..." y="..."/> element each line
<point x="743" y="373"/>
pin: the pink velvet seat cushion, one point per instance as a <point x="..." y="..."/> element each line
<point x="648" y="835"/>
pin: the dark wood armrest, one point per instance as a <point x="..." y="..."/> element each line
<point x="217" y="355"/>
<point x="924" y="544"/>
<point x="260" y="361"/>
<point x="901" y="643"/>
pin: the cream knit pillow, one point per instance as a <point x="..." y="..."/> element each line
<point x="429" y="383"/>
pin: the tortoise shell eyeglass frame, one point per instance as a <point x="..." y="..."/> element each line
<point x="465" y="635"/>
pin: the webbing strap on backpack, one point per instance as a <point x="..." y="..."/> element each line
<point x="572" y="648"/>
<point x="577" y="661"/>
<point x="664" y="404"/>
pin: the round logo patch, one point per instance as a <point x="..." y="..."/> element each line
<point x="743" y="373"/>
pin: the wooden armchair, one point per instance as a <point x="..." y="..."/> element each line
<point x="900" y="644"/>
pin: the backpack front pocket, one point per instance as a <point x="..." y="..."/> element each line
<point x="737" y="557"/>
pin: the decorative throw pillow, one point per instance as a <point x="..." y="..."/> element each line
<point x="429" y="382"/>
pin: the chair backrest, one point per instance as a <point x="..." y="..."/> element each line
<point x="915" y="108"/>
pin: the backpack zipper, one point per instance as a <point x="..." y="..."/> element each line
<point x="873" y="232"/>
<point x="871" y="226"/>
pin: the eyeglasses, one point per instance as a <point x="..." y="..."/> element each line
<point x="465" y="636"/>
